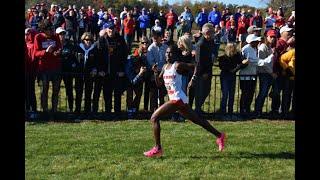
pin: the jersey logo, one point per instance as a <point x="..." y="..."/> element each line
<point x="170" y="92"/>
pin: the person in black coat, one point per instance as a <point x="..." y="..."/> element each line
<point x="135" y="72"/>
<point x="68" y="65"/>
<point x="86" y="71"/>
<point x="229" y="64"/>
<point x="111" y="68"/>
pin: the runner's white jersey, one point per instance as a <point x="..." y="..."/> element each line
<point x="173" y="82"/>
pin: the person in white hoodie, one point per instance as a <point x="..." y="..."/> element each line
<point x="248" y="74"/>
<point x="265" y="73"/>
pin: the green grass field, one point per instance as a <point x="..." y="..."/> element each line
<point x="113" y="150"/>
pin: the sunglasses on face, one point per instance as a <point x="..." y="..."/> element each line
<point x="87" y="39"/>
<point x="144" y="42"/>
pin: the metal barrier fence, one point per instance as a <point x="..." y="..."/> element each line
<point x="211" y="105"/>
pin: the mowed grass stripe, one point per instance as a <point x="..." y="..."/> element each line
<point x="113" y="150"/>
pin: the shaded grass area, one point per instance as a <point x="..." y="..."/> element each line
<point x="113" y="150"/>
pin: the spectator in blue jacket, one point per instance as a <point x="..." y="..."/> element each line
<point x="104" y="19"/>
<point x="236" y="16"/>
<point x="144" y="22"/>
<point x="187" y="15"/>
<point x="202" y="18"/>
<point x="35" y="21"/>
<point x="214" y="16"/>
<point x="93" y="24"/>
<point x="135" y="70"/>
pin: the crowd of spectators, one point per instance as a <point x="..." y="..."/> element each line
<point x="91" y="51"/>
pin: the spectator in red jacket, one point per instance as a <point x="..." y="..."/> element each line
<point x="118" y="24"/>
<point x="47" y="48"/>
<point x="31" y="66"/>
<point x="243" y="24"/>
<point x="256" y="19"/>
<point x="172" y="19"/>
<point x="129" y="26"/>
<point x="280" y="21"/>
<point x="277" y="86"/>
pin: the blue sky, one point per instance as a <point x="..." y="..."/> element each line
<point x="254" y="3"/>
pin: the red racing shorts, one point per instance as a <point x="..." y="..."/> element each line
<point x="179" y="103"/>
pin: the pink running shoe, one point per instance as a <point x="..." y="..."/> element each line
<point x="153" y="152"/>
<point x="221" y="141"/>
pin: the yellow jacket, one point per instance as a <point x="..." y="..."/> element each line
<point x="287" y="60"/>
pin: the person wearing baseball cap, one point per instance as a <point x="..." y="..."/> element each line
<point x="143" y="20"/>
<point x="157" y="26"/>
<point x="60" y="30"/>
<point x="247" y="75"/>
<point x="68" y="65"/>
<point x="265" y="73"/>
<point x="285" y="29"/>
<point x="250" y="29"/>
<point x="254" y="30"/>
<point x="252" y="38"/>
<point x="113" y="48"/>
<point x="182" y="28"/>
<point x="187" y="16"/>
<point x="272" y="33"/>
<point x="282" y="45"/>
<point x="287" y="63"/>
<point x="214" y="16"/>
<point x="172" y="19"/>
